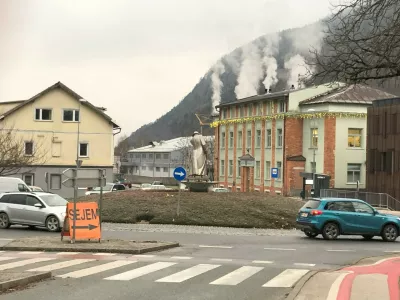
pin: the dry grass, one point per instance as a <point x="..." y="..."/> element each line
<point x="207" y="209"/>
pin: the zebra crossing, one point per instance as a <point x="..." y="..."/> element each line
<point x="171" y="272"/>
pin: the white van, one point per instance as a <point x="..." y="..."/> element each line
<point x="12" y="184"/>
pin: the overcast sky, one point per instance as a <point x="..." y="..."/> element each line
<point x="137" y="58"/>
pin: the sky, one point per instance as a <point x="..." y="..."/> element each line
<point x="137" y="58"/>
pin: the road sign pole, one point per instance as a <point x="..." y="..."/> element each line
<point x="179" y="201"/>
<point x="75" y="198"/>
<point x="100" y="204"/>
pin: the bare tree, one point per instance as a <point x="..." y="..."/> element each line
<point x="122" y="146"/>
<point x="185" y="150"/>
<point x="18" y="152"/>
<point x="361" y="43"/>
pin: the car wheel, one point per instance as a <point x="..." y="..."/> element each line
<point x="4" y="221"/>
<point x="310" y="234"/>
<point x="52" y="224"/>
<point x="390" y="233"/>
<point x="330" y="231"/>
<point x="367" y="237"/>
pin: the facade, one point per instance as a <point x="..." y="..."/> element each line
<point x="383" y="147"/>
<point x="158" y="160"/>
<point x="49" y="125"/>
<point x="321" y="129"/>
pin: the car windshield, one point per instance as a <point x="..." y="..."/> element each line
<point x="312" y="204"/>
<point x="108" y="187"/>
<point x="54" y="200"/>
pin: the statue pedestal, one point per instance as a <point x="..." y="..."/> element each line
<point x="198" y="183"/>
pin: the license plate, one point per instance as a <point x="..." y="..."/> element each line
<point x="304" y="215"/>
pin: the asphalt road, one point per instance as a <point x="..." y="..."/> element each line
<point x="215" y="266"/>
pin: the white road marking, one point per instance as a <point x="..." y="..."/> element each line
<point x="221" y="259"/>
<point x="334" y="290"/>
<point x="262" y="262"/>
<point x="144" y="256"/>
<point x="2" y="251"/>
<point x="31" y="252"/>
<point x="220" y="247"/>
<point x="6" y="240"/>
<point x="280" y="249"/>
<point x="340" y="250"/>
<point x="61" y="265"/>
<point x="237" y="276"/>
<point x="141" y="271"/>
<point x="67" y="253"/>
<point x="287" y="278"/>
<point x="392" y="251"/>
<point x="2" y="258"/>
<point x="97" y="269"/>
<point x="188" y="273"/>
<point x="181" y="257"/>
<point x="24" y="262"/>
<point x="304" y="265"/>
<point x="105" y="254"/>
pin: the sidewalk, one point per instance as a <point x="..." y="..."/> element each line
<point x="371" y="278"/>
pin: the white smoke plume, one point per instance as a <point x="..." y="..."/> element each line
<point x="296" y="66"/>
<point x="270" y="63"/>
<point x="217" y="84"/>
<point x="251" y="72"/>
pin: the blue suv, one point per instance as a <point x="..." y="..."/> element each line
<point x="332" y="217"/>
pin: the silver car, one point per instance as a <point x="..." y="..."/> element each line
<point x="32" y="209"/>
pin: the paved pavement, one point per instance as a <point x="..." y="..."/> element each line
<point x="217" y="263"/>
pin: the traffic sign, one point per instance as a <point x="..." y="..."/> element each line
<point x="84" y="177"/>
<point x="84" y="173"/>
<point x="86" y="218"/>
<point x="274" y="173"/>
<point x="85" y="182"/>
<point x="179" y="173"/>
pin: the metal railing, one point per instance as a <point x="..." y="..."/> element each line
<point x="381" y="200"/>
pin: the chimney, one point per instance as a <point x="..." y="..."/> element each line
<point x="270" y="91"/>
<point x="292" y="88"/>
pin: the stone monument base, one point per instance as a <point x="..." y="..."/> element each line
<point x="199" y="183"/>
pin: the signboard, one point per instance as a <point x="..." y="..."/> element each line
<point x="87" y="221"/>
<point x="84" y="173"/>
<point x="274" y="173"/>
<point x="85" y="177"/>
<point x="85" y="182"/>
<point x="180" y="173"/>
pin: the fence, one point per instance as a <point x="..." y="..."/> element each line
<point x="375" y="199"/>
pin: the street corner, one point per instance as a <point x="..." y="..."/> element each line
<point x="53" y="244"/>
<point x="12" y="280"/>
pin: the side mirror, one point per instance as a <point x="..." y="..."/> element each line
<point x="38" y="205"/>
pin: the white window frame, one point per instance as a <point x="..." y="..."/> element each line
<point x="258" y="169"/>
<point x="231" y="138"/>
<point x="314" y="137"/>
<point x="353" y="171"/>
<point x="74" y="110"/>
<point x="268" y="170"/>
<point x="279" y="138"/>
<point x="230" y="167"/>
<point x="29" y="175"/>
<point x="33" y="148"/>
<point x="51" y="181"/>
<point x="240" y="139"/>
<point x="238" y="168"/>
<point x="268" y="139"/>
<point x="41" y="114"/>
<point x="87" y="149"/>
<point x="355" y="135"/>
<point x="248" y="138"/>
<point x="165" y="169"/>
<point x="222" y="167"/>
<point x="223" y="137"/>
<point x="258" y="138"/>
<point x="279" y="170"/>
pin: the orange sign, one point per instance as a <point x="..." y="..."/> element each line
<point x="87" y="225"/>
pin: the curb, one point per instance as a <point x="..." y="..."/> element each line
<point x="24" y="280"/>
<point x="107" y="250"/>
<point x="299" y="285"/>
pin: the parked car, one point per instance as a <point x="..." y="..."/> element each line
<point x="35" y="188"/>
<point x="220" y="190"/>
<point x="32" y="209"/>
<point x="108" y="188"/>
<point x="332" y="217"/>
<point x="13" y="184"/>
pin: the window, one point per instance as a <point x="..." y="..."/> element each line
<point x="353" y="173"/>
<point x="314" y="137"/>
<point x="268" y="170"/>
<point x="151" y="168"/>
<point x="71" y="115"/>
<point x="31" y="201"/>
<point x="362" y="208"/>
<point x="279" y="166"/>
<point x="231" y="139"/>
<point x="28" y="178"/>
<point x="269" y="138"/>
<point x="259" y="109"/>
<point x="232" y="112"/>
<point x="19" y="199"/>
<point x="241" y="111"/>
<point x="240" y="139"/>
<point x="55" y="181"/>
<point x="42" y="114"/>
<point x="249" y="138"/>
<point x="144" y="156"/>
<point x="258" y="169"/>
<point x="279" y="138"/>
<point x="281" y="107"/>
<point x="223" y="114"/>
<point x="143" y="168"/>
<point x="157" y="169"/>
<point x="29" y="148"/>
<point x="119" y="187"/>
<point x="238" y="168"/>
<point x="354" y="138"/>
<point x="222" y="167"/>
<point x="340" y="206"/>
<point x="158" y="156"/>
<point x="222" y="140"/>
<point x="387" y="161"/>
<point x="269" y="107"/>
<point x="165" y="170"/>
<point x="151" y="156"/>
<point x="22" y="187"/>
<point x="250" y="111"/>
<point x="83" y="149"/>
<point x="137" y="155"/>
<point x="166" y="156"/>
<point x="313" y="167"/>
<point x="258" y="138"/>
<point x="230" y="167"/>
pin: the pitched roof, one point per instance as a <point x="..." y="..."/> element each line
<point x="58" y="85"/>
<point x="167" y="146"/>
<point x="350" y="94"/>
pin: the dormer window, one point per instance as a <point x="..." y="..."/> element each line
<point x="43" y="114"/>
<point x="71" y="115"/>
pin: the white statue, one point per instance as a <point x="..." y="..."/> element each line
<point x="199" y="157"/>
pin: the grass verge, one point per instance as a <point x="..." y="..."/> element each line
<point x="245" y="210"/>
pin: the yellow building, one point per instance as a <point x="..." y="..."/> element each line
<point x="49" y="126"/>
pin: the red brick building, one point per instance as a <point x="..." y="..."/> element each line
<point x="320" y="129"/>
